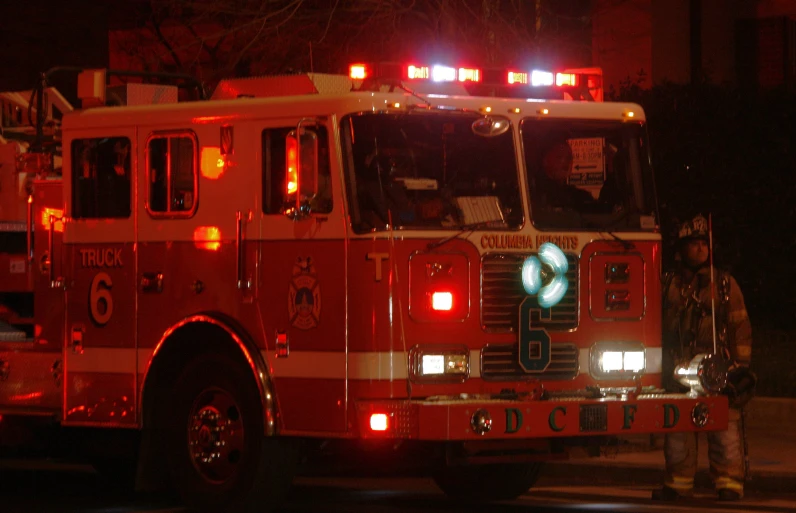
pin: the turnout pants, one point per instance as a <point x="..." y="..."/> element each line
<point x="725" y="451"/>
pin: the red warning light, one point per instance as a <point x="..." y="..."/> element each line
<point x="442" y="301"/>
<point x="379" y="422"/>
<point x="358" y="71"/>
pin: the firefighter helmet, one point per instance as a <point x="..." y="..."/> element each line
<point x="696" y="228"/>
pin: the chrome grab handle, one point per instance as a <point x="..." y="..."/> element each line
<point x="50" y="244"/>
<point x="59" y="282"/>
<point x="239" y="249"/>
<point x="54" y="284"/>
<point x="29" y="235"/>
<point x="30" y="229"/>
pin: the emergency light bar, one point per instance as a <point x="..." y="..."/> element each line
<point x="436" y="73"/>
<point x="584" y="83"/>
<point x="442" y="73"/>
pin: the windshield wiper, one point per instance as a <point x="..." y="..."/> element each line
<point x="625" y="243"/>
<point x="466" y="228"/>
<point x="401" y="86"/>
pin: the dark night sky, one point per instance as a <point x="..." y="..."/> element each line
<point x="36" y="35"/>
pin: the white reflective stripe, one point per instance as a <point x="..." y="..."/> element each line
<point x="112" y="360"/>
<point x="728" y="482"/>
<point x="584" y="362"/>
<point x="385" y="365"/>
<point x="377" y="365"/>
<point x="654" y="359"/>
<point x="331" y="365"/>
<point x="475" y="363"/>
<point x="681" y="484"/>
<point x="307" y="364"/>
<point x="144" y="357"/>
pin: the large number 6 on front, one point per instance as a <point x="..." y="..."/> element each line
<point x="535" y="351"/>
<point x="101" y="293"/>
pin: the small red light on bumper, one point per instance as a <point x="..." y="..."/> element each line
<point x="379" y="422"/>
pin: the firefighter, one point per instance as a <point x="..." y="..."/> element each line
<point x="553" y="192"/>
<point x="688" y="331"/>
<point x="386" y="189"/>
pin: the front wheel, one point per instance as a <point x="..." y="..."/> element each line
<point x="219" y="458"/>
<point x="487" y="482"/>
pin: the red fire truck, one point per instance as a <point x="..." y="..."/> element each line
<point x="310" y="263"/>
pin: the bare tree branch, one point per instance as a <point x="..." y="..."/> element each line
<point x="215" y="37"/>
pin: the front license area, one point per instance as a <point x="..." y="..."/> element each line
<point x="496" y="418"/>
<point x="579" y="418"/>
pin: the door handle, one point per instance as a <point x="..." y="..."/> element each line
<point x="240" y="251"/>
<point x="152" y="282"/>
<point x="59" y="282"/>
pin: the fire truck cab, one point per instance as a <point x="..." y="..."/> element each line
<point x="319" y="260"/>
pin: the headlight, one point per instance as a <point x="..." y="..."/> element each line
<point x="617" y="360"/>
<point x="704" y="374"/>
<point x="440" y="363"/>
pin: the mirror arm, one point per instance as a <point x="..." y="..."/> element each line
<point x="298" y="162"/>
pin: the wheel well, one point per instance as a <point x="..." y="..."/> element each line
<point x="183" y="345"/>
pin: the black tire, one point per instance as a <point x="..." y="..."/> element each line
<point x="487" y="482"/>
<point x="216" y="401"/>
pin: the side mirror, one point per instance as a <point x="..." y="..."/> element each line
<point x="491" y="126"/>
<point x="301" y="171"/>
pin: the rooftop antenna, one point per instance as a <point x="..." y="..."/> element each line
<point x="712" y="282"/>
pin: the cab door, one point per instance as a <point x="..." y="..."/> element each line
<point x="194" y="203"/>
<point x="99" y="277"/>
<point x="303" y="294"/>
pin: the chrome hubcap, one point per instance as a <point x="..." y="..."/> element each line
<point x="215" y="435"/>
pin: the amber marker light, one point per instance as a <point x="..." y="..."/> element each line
<point x="212" y="162"/>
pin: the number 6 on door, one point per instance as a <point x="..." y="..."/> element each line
<point x="100" y="300"/>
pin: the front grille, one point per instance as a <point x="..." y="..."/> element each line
<point x="502" y="293"/>
<point x="500" y="362"/>
<point x="593" y="418"/>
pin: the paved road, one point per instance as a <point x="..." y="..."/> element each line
<point x="67" y="490"/>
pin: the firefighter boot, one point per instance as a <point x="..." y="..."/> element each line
<point x="680" y="450"/>
<point x="666" y="494"/>
<point x="727" y="460"/>
<point x="728" y="495"/>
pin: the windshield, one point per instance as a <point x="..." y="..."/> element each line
<point x="592" y="175"/>
<point x="430" y="170"/>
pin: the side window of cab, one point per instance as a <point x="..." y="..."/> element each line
<point x="101" y="178"/>
<point x="172" y="174"/>
<point x="283" y="150"/>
